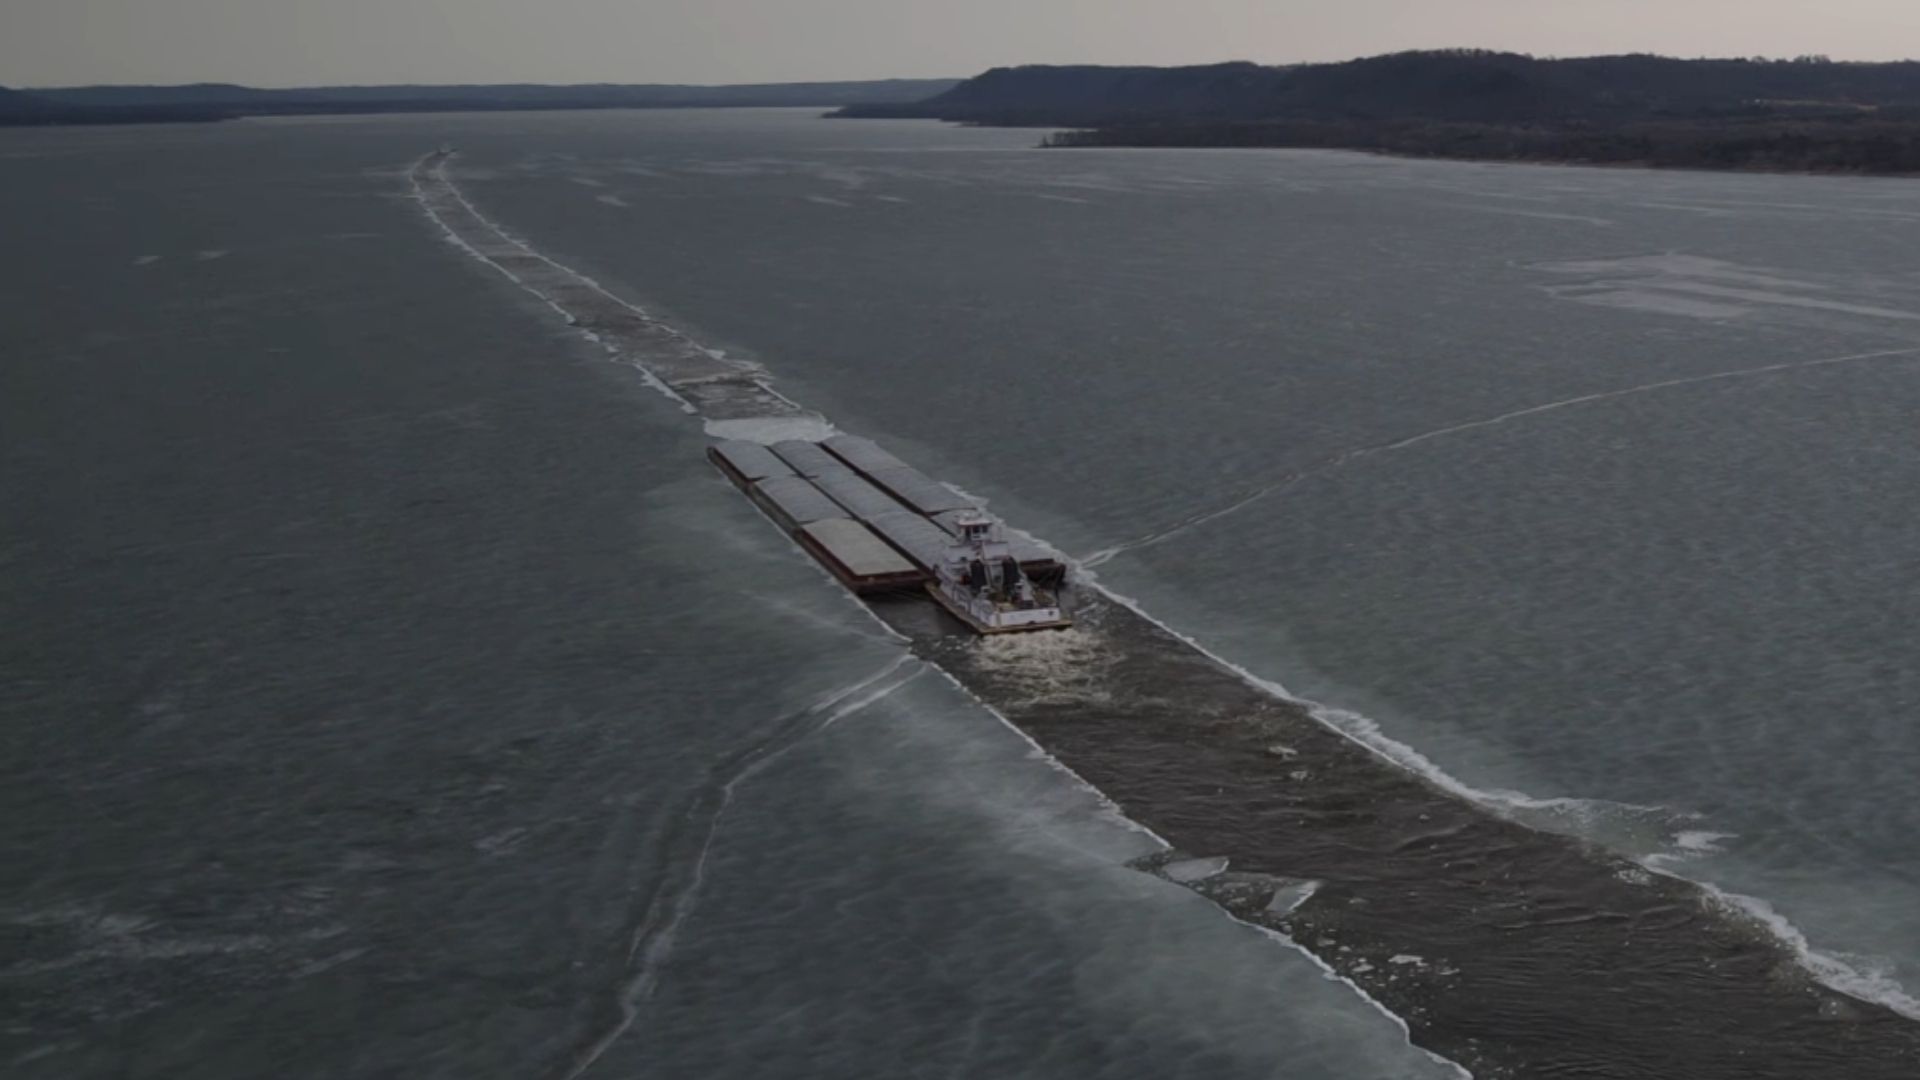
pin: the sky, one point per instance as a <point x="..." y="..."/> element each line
<point x="309" y="42"/>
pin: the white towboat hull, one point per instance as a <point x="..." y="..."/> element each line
<point x="1001" y="622"/>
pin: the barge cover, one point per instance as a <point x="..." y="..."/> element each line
<point x="794" y="502"/>
<point x="861" y="560"/>
<point x="852" y="491"/>
<point x="862" y="453"/>
<point x="807" y="458"/>
<point x="747" y="462"/>
<point x="920" y="491"/>
<point x="915" y="537"/>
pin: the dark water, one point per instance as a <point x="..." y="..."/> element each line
<point x="389" y="687"/>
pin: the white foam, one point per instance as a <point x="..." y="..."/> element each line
<point x="146" y="260"/>
<point x="1848" y="976"/>
<point x="1852" y="975"/>
<point x="1700" y="840"/>
<point x="1367" y="733"/>
<point x="1061" y="667"/>
<point x="1364" y="732"/>
<point x="1687" y="844"/>
<point x="212" y="253"/>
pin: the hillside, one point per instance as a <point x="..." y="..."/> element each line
<point x="19" y="109"/>
<point x="1455" y="85"/>
<point x="1759" y="114"/>
<point x="17" y="106"/>
<point x="401" y="98"/>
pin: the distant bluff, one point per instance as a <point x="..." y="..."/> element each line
<point x="1460" y="85"/>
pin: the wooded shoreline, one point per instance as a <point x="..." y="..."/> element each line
<point x="1827" y="149"/>
<point x="1804" y="115"/>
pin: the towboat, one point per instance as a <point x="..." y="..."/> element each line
<point x="980" y="582"/>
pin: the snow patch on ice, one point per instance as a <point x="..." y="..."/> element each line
<point x="1287" y="900"/>
<point x="1188" y="871"/>
<point x="772" y="429"/>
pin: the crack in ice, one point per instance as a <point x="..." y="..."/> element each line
<point x="677" y="892"/>
<point x="1245" y="499"/>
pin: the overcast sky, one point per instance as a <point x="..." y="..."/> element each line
<point x="294" y="42"/>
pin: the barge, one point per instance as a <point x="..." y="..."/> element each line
<point x="882" y="527"/>
<point x="862" y="561"/>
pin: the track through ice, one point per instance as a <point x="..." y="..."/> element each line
<point x="700" y="380"/>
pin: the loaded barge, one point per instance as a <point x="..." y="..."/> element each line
<point x="883" y="528"/>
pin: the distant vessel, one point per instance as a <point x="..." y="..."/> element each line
<point x="982" y="584"/>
